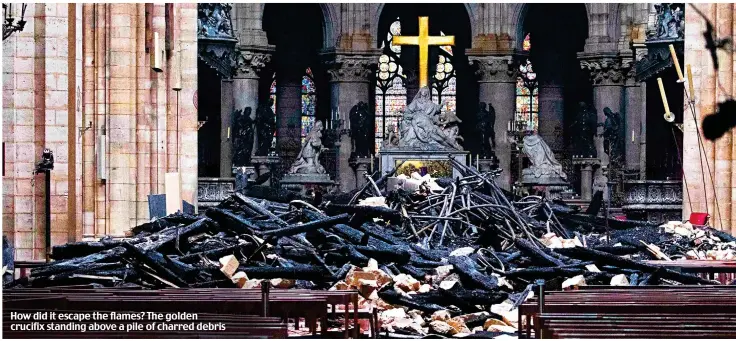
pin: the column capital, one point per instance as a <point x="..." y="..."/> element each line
<point x="350" y="66"/>
<point x="250" y="61"/>
<point x="607" y="69"/>
<point x="496" y="68"/>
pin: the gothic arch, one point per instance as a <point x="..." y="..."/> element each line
<point x="330" y="21"/>
<point x="612" y="20"/>
<point x="378" y="10"/>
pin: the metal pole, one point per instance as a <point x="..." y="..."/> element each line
<point x="47" y="173"/>
<point x="265" y="293"/>
<point x="540" y="287"/>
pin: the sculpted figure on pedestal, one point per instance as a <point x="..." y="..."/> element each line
<point x="307" y="162"/>
<point x="544" y="165"/>
<point x="242" y="136"/>
<point x="424" y="128"/>
<point x="265" y="127"/>
<point x="486" y="121"/>
<point x="360" y="129"/>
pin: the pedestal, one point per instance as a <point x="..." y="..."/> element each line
<point x="552" y="184"/>
<point x="392" y="157"/>
<point x="360" y="165"/>
<point x="586" y="176"/>
<point x="303" y="182"/>
<point x="265" y="164"/>
<point x="485" y="165"/>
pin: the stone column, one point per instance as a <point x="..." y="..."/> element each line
<point x="551" y="114"/>
<point x="289" y="107"/>
<point x="497" y="85"/>
<point x="634" y="117"/>
<point x="551" y="99"/>
<point x="226" y="138"/>
<point x="607" y="74"/>
<point x="248" y="65"/>
<point x="349" y="83"/>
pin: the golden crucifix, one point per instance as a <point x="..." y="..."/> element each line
<point x="423" y="40"/>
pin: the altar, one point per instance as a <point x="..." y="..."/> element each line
<point x="432" y="159"/>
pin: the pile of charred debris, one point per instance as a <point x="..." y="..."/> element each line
<point x="436" y="256"/>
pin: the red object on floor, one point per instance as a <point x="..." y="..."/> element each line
<point x="699" y="218"/>
<point x="620" y="217"/>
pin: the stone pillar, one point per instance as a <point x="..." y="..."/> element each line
<point x="551" y="114"/>
<point x="360" y="164"/>
<point x="226" y="138"/>
<point x="586" y="182"/>
<point x="497" y="85"/>
<point x="244" y="93"/>
<point x="633" y="121"/>
<point x="607" y="74"/>
<point x="349" y="83"/>
<point x="289" y="108"/>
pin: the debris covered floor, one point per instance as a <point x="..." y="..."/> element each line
<point x="434" y="256"/>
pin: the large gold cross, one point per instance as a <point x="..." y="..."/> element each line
<point x="423" y="40"/>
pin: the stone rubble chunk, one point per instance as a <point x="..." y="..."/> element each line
<point x="373" y="201"/>
<point x="592" y="268"/>
<point x="463" y="251"/>
<point x="620" y="280"/>
<point x="574" y="282"/>
<point x="441" y="315"/>
<point x="240" y="279"/>
<point x="283" y="283"/>
<point x="442" y="328"/>
<point x="407" y="283"/>
<point x="447" y="285"/>
<point x="441" y="272"/>
<point x="229" y="264"/>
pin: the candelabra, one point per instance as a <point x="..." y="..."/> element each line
<point x="11" y="23"/>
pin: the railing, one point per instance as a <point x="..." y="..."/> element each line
<point x="656" y="201"/>
<point x="210" y="191"/>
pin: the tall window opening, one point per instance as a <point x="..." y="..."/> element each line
<point x="526" y="117"/>
<point x="309" y="103"/>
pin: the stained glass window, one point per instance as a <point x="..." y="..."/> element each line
<point x="390" y="90"/>
<point x="444" y="83"/>
<point x="526" y="117"/>
<point x="309" y="102"/>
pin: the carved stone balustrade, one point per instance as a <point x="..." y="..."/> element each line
<point x="210" y="191"/>
<point x="656" y="201"/>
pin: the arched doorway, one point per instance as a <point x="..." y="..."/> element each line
<point x="296" y="79"/>
<point x="396" y="80"/>
<point x="552" y="35"/>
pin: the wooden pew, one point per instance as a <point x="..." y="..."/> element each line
<point x="312" y="305"/>
<point x="332" y="298"/>
<point x="252" y="326"/>
<point x="624" y="305"/>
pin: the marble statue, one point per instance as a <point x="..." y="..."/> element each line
<point x="544" y="169"/>
<point x="670" y="22"/>
<point x="214" y="20"/>
<point x="360" y="129"/>
<point x="242" y="136"/>
<point x="265" y="127"/>
<point x="424" y="128"/>
<point x="584" y="127"/>
<point x="307" y="162"/>
<point x="485" y="120"/>
<point x="392" y="138"/>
